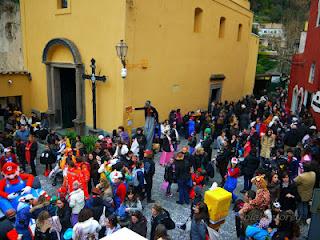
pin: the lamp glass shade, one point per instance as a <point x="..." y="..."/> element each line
<point x="122" y="49"/>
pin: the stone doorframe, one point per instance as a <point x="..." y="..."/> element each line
<point x="53" y="85"/>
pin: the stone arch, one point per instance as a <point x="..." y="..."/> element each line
<point x="53" y="85"/>
<point x="62" y="42"/>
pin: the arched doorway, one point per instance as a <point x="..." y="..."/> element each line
<point x="65" y="86"/>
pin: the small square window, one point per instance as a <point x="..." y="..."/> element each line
<point x="62" y="4"/>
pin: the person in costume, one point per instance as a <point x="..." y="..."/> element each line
<point x="152" y="118"/>
<point x="119" y="188"/>
<point x="12" y="187"/>
<point x="232" y="177"/>
<point x="262" y="199"/>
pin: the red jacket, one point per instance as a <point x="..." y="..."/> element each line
<point x="28" y="178"/>
<point x="234" y="172"/>
<point x="121" y="192"/>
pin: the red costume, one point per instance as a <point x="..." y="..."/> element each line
<point x="76" y="174"/>
<point x="28" y="178"/>
<point x="197" y="180"/>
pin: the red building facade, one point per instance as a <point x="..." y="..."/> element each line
<point x="304" y="87"/>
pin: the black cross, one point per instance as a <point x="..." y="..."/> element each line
<point x="93" y="79"/>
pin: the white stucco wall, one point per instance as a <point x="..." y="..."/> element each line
<point x="11" y="57"/>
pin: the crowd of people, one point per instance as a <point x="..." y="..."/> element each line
<point x="109" y="188"/>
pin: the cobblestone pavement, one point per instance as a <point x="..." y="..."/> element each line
<point x="178" y="213"/>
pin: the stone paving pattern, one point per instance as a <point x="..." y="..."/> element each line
<point x="179" y="213"/>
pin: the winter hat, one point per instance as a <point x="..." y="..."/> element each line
<point x="115" y="175"/>
<point x="9" y="168"/>
<point x="243" y="106"/>
<point x="207" y="131"/>
<point x="100" y="137"/>
<point x="313" y="127"/>
<point x="234" y="160"/>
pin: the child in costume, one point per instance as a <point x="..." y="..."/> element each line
<point x="232" y="178"/>
<point x="197" y="180"/>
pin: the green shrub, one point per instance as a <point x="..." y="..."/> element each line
<point x="89" y="142"/>
<point x="71" y="135"/>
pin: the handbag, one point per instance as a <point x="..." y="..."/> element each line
<point x="164" y="186"/>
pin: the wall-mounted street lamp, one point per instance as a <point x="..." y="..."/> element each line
<point x="122" y="50"/>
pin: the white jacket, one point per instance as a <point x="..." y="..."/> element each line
<point x="82" y="230"/>
<point x="76" y="201"/>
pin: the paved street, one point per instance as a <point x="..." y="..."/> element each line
<point x="178" y="213"/>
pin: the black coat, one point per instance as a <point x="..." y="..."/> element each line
<point x="64" y="215"/>
<point x="154" y="112"/>
<point x="170" y="173"/>
<point x="244" y="120"/>
<point x="289" y="203"/>
<point x="182" y="169"/>
<point x="139" y="227"/>
<point x="198" y="161"/>
<point x="249" y="165"/>
<point x="291" y="138"/>
<point x="166" y="145"/>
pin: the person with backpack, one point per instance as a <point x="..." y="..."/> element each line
<point x="149" y="171"/>
<point x="138" y="179"/>
<point x="160" y="216"/>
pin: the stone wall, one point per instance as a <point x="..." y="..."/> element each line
<point x="11" y="57"/>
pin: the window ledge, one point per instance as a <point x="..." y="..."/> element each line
<point x="63" y="11"/>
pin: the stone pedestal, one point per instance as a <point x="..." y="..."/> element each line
<point x="51" y="119"/>
<point x="95" y="132"/>
<point x="79" y="127"/>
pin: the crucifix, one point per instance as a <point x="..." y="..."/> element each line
<point x="93" y="77"/>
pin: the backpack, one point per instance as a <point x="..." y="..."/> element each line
<point x="135" y="176"/>
<point x="167" y="221"/>
<point x="47" y="158"/>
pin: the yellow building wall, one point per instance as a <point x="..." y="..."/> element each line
<point x="252" y="65"/>
<point x="171" y="65"/>
<point x="95" y="27"/>
<point x="20" y="87"/>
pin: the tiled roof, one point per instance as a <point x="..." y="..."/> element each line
<point x="16" y="73"/>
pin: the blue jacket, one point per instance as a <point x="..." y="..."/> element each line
<point x="256" y="233"/>
<point x="198" y="230"/>
<point x="23" y="135"/>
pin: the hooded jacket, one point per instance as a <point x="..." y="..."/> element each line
<point x="83" y="230"/>
<point x="76" y="201"/>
